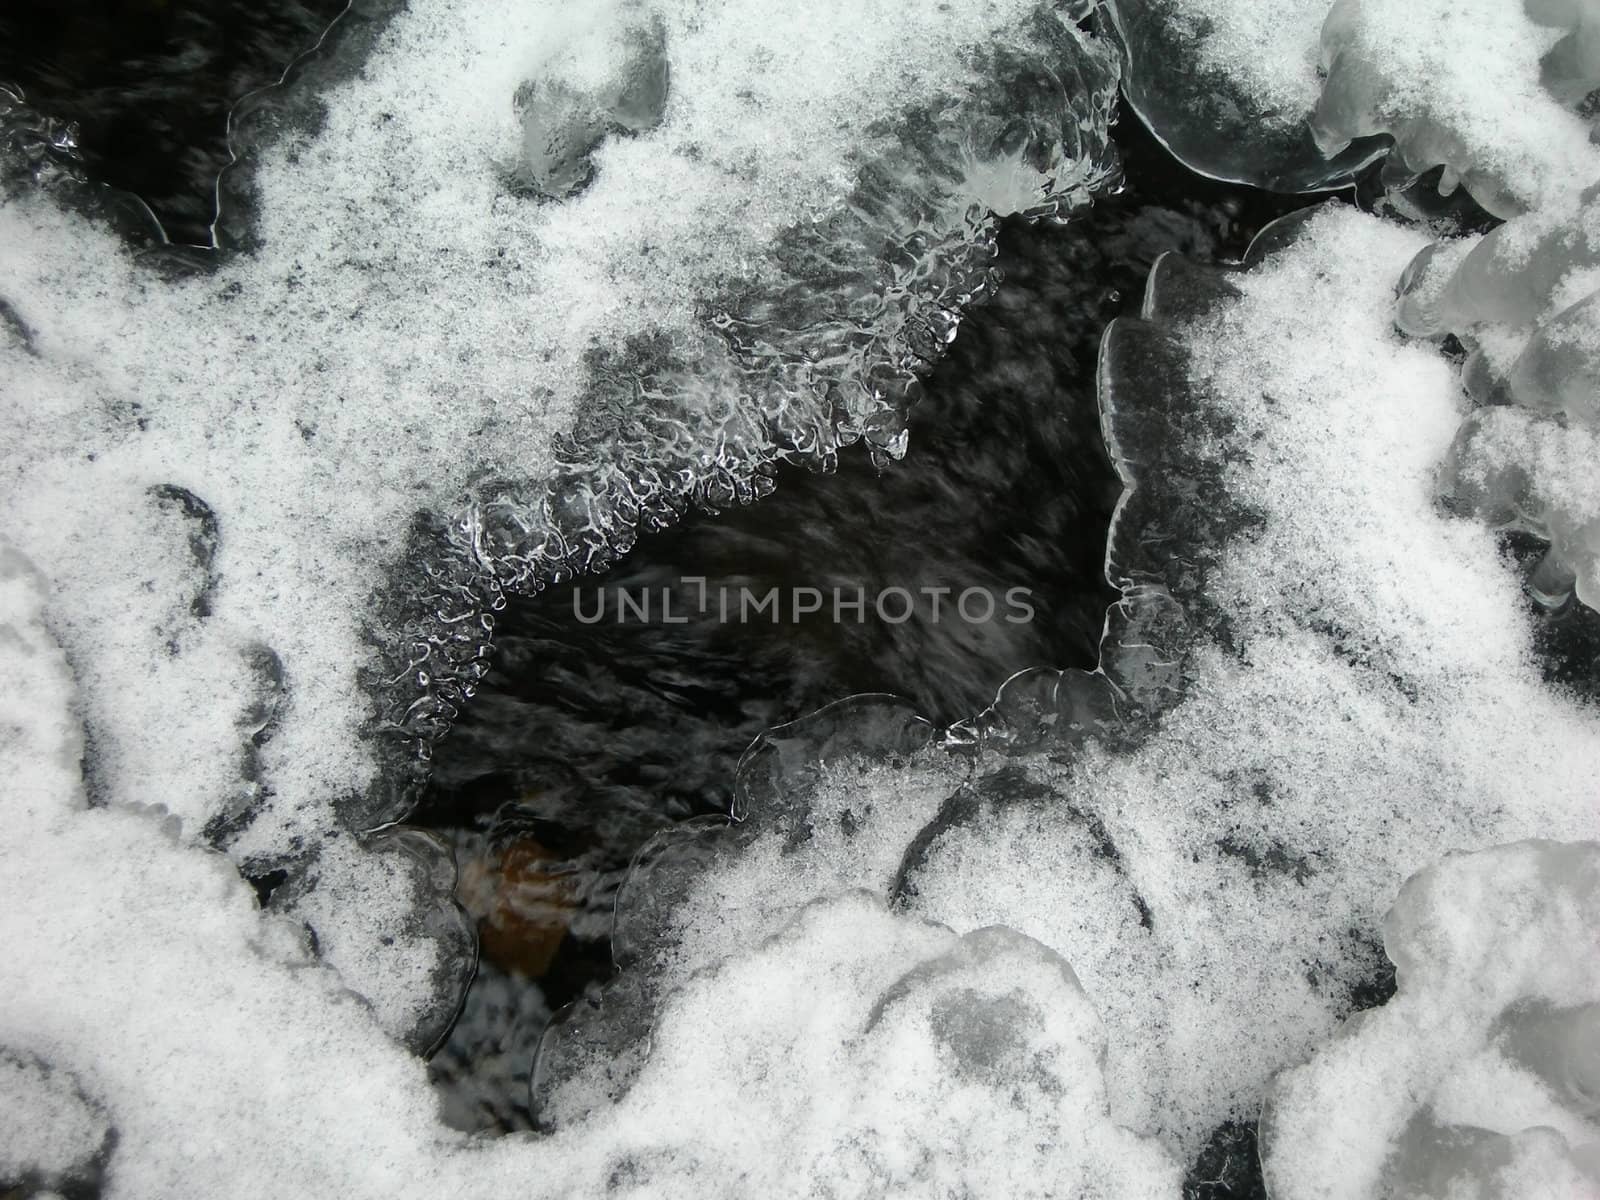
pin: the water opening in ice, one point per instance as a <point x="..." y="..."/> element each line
<point x="587" y="739"/>
<point x="852" y="796"/>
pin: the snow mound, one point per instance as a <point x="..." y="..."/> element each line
<point x="1482" y="1076"/>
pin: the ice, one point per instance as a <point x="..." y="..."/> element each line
<point x="1295" y="94"/>
<point x="383" y="912"/>
<point x="1479" y="1077"/>
<point x="198" y="1024"/>
<point x="228" y="490"/>
<point x="1518" y="470"/>
<point x="277" y="498"/>
<point x="701" y="893"/>
<point x="1317" y="684"/>
<point x="219" y="477"/>
<point x="1463" y="86"/>
<point x="1324" y="748"/>
<point x="572" y="105"/>
<point x="1229" y="86"/>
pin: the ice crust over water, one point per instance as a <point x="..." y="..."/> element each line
<point x="1294" y="94"/>
<point x="1295" y="722"/>
<point x="771" y="222"/>
<point x="927" y="1041"/>
<point x="1482" y="1076"/>
<point x="54" y="1129"/>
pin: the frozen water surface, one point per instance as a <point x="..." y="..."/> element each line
<point x="540" y="278"/>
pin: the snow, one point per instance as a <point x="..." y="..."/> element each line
<point x="1431" y="1089"/>
<point x="1488" y="89"/>
<point x="1365" y="703"/>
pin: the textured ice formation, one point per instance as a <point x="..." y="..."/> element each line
<point x="265" y="492"/>
<point x="1482" y="1076"/>
<point x="1338" y="727"/>
<point x="1288" y="722"/>
<point x="1316" y="684"/>
<point x="1228" y="87"/>
<point x="1293" y="94"/>
<point x="1522" y="300"/>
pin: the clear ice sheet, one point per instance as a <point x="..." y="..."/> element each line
<point x="1484" y="89"/>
